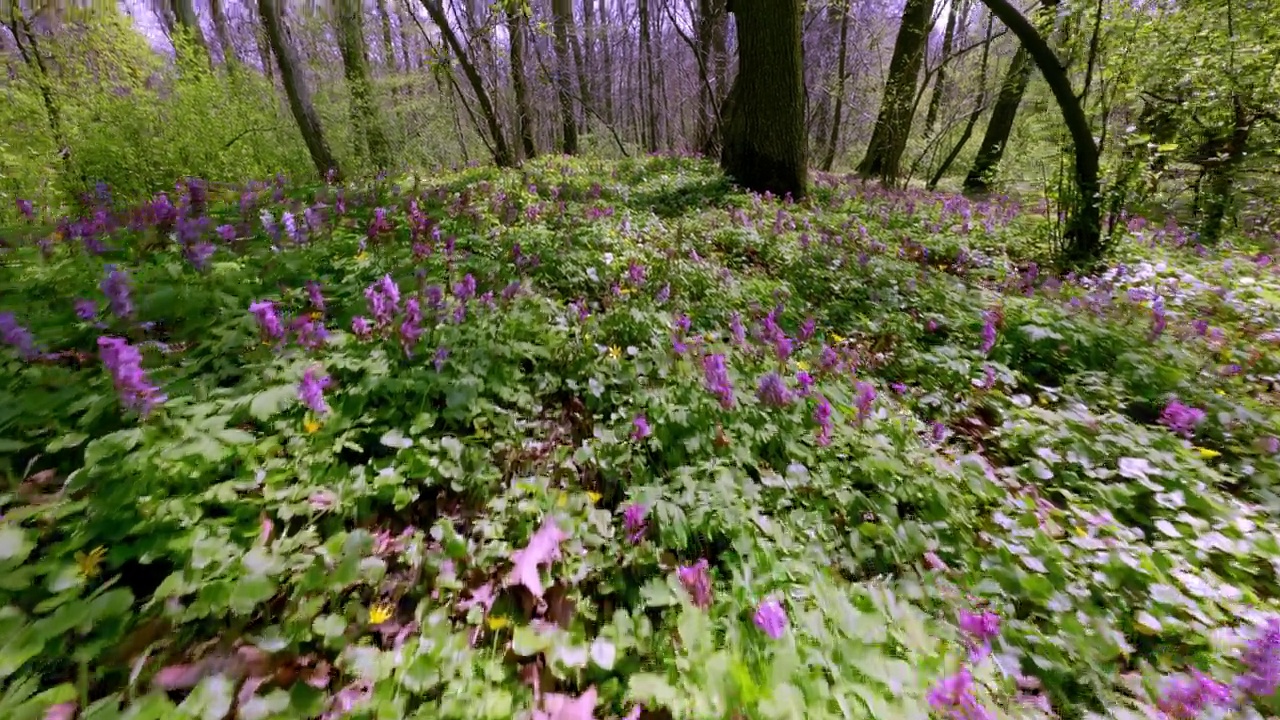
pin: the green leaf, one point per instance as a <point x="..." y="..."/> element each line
<point x="525" y="641"/>
<point x="15" y="544"/>
<point x="329" y="626"/>
<point x="271" y="401"/>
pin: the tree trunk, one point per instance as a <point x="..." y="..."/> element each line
<point x="502" y="156"/>
<point x="606" y="49"/>
<point x="842" y="61"/>
<point x="589" y="51"/>
<point x="295" y="88"/>
<point x="649" y="103"/>
<point x="893" y="126"/>
<point x="711" y="20"/>
<point x="1000" y="125"/>
<point x="1221" y="174"/>
<point x="584" y="88"/>
<point x="388" y="46"/>
<point x="524" y="111"/>
<point x="973" y="115"/>
<point x="1084" y="228"/>
<point x="764" y="133"/>
<point x="563" y="76"/>
<point x="940" y="82"/>
<point x="222" y="32"/>
<point x="364" y="116"/>
<point x="184" y="11"/>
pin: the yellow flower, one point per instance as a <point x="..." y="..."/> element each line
<point x="615" y="352"/>
<point x="624" y="291"/>
<point x="562" y="500"/>
<point x="1081" y="531"/>
<point x="380" y="613"/>
<point x="836" y="338"/>
<point x="497" y="622"/>
<point x="311" y="426"/>
<point x="802" y="365"/>
<point x="594" y="497"/>
<point x="317" y="315"/>
<point x="362" y="256"/>
<point x="90" y="563"/>
<point x="1207" y="454"/>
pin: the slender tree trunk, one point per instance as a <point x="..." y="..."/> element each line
<point x="893" y="126"/>
<point x="1000" y="126"/>
<point x="940" y="82"/>
<point x="364" y="116"/>
<point x="222" y="32"/>
<point x="973" y="115"/>
<point x="264" y="50"/>
<point x="606" y="49"/>
<point x="764" y="133"/>
<point x="524" y="111"/>
<point x="29" y="49"/>
<point x="649" y="104"/>
<point x="842" y="61"/>
<point x="1084" y="229"/>
<point x="584" y="88"/>
<point x="564" y="75"/>
<point x="1221" y="174"/>
<point x="295" y="88"/>
<point x="501" y="150"/>
<point x="184" y="11"/>
<point x="388" y="45"/>
<point x="589" y="51"/>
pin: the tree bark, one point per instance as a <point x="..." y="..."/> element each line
<point x="764" y="133"/>
<point x="973" y="115"/>
<point x="222" y="32"/>
<point x="584" y="87"/>
<point x="184" y="11"/>
<point x="589" y="51"/>
<point x="1000" y="126"/>
<point x="388" y="45"/>
<point x="563" y="76"/>
<point x="502" y="156"/>
<point x="364" y="116"/>
<point x="606" y="49"/>
<point x="893" y="126"/>
<point x="295" y="88"/>
<point x="524" y="111"/>
<point x="842" y="62"/>
<point x="940" y="82"/>
<point x="648" y="101"/>
<point x="1084" y="228"/>
<point x="1221" y="173"/>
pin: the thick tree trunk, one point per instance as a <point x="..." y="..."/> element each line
<point x="222" y="32"/>
<point x="501" y="150"/>
<point x="1000" y="126"/>
<point x="564" y="76"/>
<point x="364" y="115"/>
<point x="893" y="126"/>
<point x="764" y="133"/>
<point x="1084" y="228"/>
<point x="524" y="111"/>
<point x="842" y="62"/>
<point x="295" y="88"/>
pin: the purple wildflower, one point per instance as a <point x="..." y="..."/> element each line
<point x="716" y="374"/>
<point x="268" y="320"/>
<point x="739" y="332"/>
<point x="635" y="274"/>
<point x="938" y="431"/>
<point x="311" y="390"/>
<point x="86" y="309"/>
<point x="1185" y="697"/>
<point x="807" y="328"/>
<point x="198" y="254"/>
<point x="988" y="331"/>
<point x="782" y="347"/>
<point x="633" y="521"/>
<point x="26" y="208"/>
<point x="116" y="287"/>
<point x="772" y="391"/>
<point x="865" y="397"/>
<point x="411" y="328"/>
<point x="442" y="354"/>
<point x="361" y="327"/>
<point x="1181" y="418"/>
<point x="663" y="294"/>
<point x="771" y="618"/>
<point x="642" y="429"/>
<point x="1269" y="445"/>
<point x="1158" y="319"/>
<point x="953" y="698"/>
<point x="697" y="582"/>
<point x="466" y="289"/>
<point x="822" y="416"/>
<point x="311" y="333"/>
<point x="315" y="296"/>
<point x="829" y="359"/>
<point x="805" y="381"/>
<point x="1261" y="658"/>
<point x="981" y="628"/>
<point x="16" y="336"/>
<point x="124" y="362"/>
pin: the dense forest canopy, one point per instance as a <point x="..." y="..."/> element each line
<point x="643" y="359"/>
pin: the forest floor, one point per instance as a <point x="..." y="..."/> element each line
<point x="595" y="440"/>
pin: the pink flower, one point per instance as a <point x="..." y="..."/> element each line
<point x="542" y="549"/>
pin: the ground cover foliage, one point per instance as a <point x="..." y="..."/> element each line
<point x="592" y="440"/>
